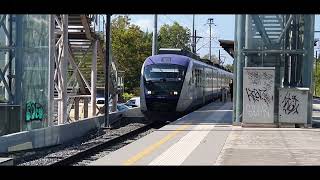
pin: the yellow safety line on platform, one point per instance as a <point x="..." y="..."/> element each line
<point x="154" y="146"/>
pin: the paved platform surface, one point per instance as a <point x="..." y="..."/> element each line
<point x="206" y="137"/>
<point x="182" y="142"/>
<point x="271" y="146"/>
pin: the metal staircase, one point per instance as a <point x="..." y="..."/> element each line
<point x="81" y="36"/>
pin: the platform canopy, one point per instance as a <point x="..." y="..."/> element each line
<point x="228" y="45"/>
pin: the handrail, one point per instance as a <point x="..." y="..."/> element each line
<point x="80" y="96"/>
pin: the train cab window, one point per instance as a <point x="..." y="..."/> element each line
<point x="164" y="71"/>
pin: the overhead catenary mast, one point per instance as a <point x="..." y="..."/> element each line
<point x="210" y="22"/>
<point x="155" y="36"/>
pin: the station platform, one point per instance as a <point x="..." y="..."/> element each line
<point x="188" y="140"/>
<point x="207" y="137"/>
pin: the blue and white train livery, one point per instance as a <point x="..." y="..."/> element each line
<point x="172" y="85"/>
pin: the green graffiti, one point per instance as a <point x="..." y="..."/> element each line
<point x="34" y="111"/>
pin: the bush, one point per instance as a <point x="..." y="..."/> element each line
<point x="2" y="99"/>
<point x="127" y="96"/>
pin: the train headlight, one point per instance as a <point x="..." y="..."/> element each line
<point x="175" y="93"/>
<point x="148" y="92"/>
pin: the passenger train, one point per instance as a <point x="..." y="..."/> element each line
<point x="172" y="85"/>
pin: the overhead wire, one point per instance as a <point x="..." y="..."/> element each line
<point x="204" y="31"/>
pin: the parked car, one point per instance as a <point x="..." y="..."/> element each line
<point x="122" y="107"/>
<point x="100" y="100"/>
<point x="118" y="114"/>
<point x="133" y="102"/>
<point x="100" y="96"/>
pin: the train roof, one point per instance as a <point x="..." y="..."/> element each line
<point x="168" y="58"/>
<point x="180" y="60"/>
<point x="191" y="55"/>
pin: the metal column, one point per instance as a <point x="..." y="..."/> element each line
<point x="155" y="36"/>
<point x="94" y="78"/>
<point x="62" y="108"/>
<point x="18" y="64"/>
<point x="239" y="69"/>
<point x="52" y="48"/>
<point x="248" y="34"/>
<point x="7" y="57"/>
<point x="234" y="81"/>
<point x="107" y="71"/>
<point x="308" y="59"/>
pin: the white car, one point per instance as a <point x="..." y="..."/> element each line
<point x="133" y="102"/>
<point x="100" y="100"/>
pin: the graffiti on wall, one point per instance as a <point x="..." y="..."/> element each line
<point x="290" y="104"/>
<point x="258" y="95"/>
<point x="257" y="78"/>
<point x="34" y="111"/>
<point x="257" y="111"/>
<point x="260" y="87"/>
<point x="293" y="105"/>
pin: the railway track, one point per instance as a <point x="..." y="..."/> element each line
<point x="82" y="155"/>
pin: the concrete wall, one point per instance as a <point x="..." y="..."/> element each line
<point x="59" y="134"/>
<point x="49" y="136"/>
<point x="134" y="112"/>
<point x="293" y="105"/>
<point x="258" y="94"/>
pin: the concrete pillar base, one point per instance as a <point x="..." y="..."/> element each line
<point x="259" y="125"/>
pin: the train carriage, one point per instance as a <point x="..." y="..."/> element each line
<point x="174" y="84"/>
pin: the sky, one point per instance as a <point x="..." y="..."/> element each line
<point x="223" y="29"/>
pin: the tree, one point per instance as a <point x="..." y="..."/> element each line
<point x="229" y="67"/>
<point x="214" y="58"/>
<point x="316" y="77"/>
<point x="174" y="36"/>
<point x="130" y="47"/>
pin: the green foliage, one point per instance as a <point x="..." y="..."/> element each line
<point x="2" y="98"/>
<point x="130" y="47"/>
<point x="214" y="58"/>
<point x="174" y="36"/>
<point x="126" y="96"/>
<point x="316" y="78"/>
<point x="229" y="67"/>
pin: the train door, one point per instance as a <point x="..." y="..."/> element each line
<point x="198" y="90"/>
<point x="212" y="83"/>
<point x="203" y="84"/>
<point x="218" y="83"/>
<point x="215" y="82"/>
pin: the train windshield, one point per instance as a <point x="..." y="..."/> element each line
<point x="164" y="79"/>
<point x="167" y="72"/>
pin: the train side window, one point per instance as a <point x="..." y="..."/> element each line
<point x="196" y="75"/>
<point x="197" y="78"/>
<point x="201" y="78"/>
<point x="191" y="78"/>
